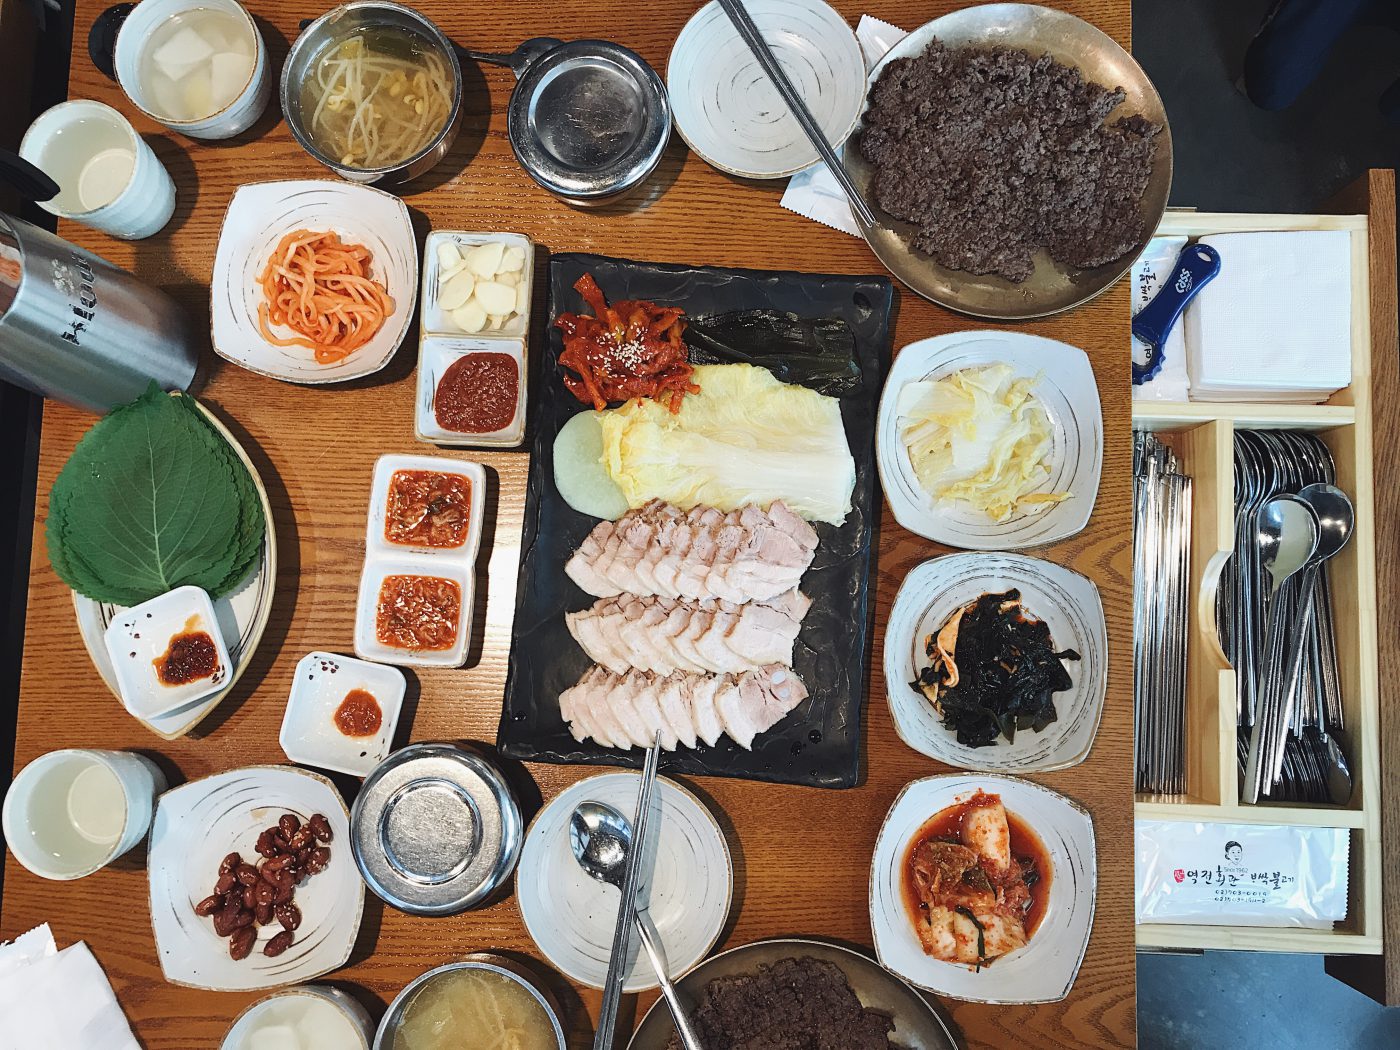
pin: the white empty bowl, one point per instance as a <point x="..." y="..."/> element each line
<point x="138" y="637"/>
<point x="258" y="217"/>
<point x="1070" y="606"/>
<point x="320" y="685"/>
<point x="727" y="109"/>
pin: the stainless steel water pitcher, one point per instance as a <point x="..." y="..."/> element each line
<point x="77" y="329"/>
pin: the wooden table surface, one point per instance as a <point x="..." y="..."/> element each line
<point x="802" y="855"/>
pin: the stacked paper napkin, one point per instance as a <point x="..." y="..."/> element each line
<point x="57" y="1000"/>
<point x="1275" y="325"/>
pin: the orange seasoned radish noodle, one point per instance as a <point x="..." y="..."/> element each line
<point x="320" y="288"/>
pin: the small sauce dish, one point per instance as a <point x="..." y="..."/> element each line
<point x="168" y="652"/>
<point x="436" y="359"/>
<point x="397" y="491"/>
<point x="332" y="694"/>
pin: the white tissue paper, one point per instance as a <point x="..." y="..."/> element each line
<point x="1240" y="874"/>
<point x="57" y="1000"/>
<point x="815" y="192"/>
<point x="1275" y="324"/>
<point x="1153" y="267"/>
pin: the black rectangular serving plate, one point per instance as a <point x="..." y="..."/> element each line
<point x="818" y="744"/>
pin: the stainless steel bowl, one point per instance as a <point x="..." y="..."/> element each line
<point x="328" y="31"/>
<point x="508" y="968"/>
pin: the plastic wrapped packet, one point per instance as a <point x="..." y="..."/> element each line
<point x="1240" y="874"/>
<point x="1149" y="271"/>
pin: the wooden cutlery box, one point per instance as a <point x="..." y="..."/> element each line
<point x="1202" y="435"/>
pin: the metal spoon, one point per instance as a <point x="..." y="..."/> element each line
<point x="1285" y="537"/>
<point x="601" y="839"/>
<point x="1336" y="519"/>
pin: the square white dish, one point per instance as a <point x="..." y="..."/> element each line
<point x="1064" y="384"/>
<point x="434" y="319"/>
<point x="138" y="637"/>
<point x="258" y="217"/>
<point x="436" y="354"/>
<point x="1070" y="606"/>
<point x="367" y="644"/>
<point x="1045" y="969"/>
<point x="384" y="470"/>
<point x="195" y="826"/>
<point x="320" y="683"/>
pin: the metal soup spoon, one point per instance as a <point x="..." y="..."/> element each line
<point x="601" y="839"/>
<point x="1336" y="519"/>
<point x="1285" y="536"/>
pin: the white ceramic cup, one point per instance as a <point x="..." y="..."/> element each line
<point x="108" y="177"/>
<point x="304" y="1003"/>
<point x="139" y="29"/>
<point x="71" y="812"/>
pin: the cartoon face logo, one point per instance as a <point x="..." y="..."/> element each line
<point x="64" y="279"/>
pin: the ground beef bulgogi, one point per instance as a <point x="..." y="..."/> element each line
<point x="993" y="153"/>
<point x="795" y="1004"/>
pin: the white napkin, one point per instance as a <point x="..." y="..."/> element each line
<point x="815" y="192"/>
<point x="1275" y="325"/>
<point x="1152" y="267"/>
<point x="57" y="1000"/>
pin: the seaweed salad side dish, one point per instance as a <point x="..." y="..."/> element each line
<point x="993" y="670"/>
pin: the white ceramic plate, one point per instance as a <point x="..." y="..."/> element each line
<point x="262" y="214"/>
<point x="438" y="353"/>
<point x="729" y="112"/>
<point x="385" y="467"/>
<point x="1065" y="386"/>
<point x="242" y="615"/>
<point x="196" y="825"/>
<point x="309" y="734"/>
<point x="571" y="916"/>
<point x="1041" y="972"/>
<point x="1067" y="602"/>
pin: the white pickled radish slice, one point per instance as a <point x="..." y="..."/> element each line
<point x="447" y="255"/>
<point x="470" y="318"/>
<point x="181" y="53"/>
<point x="231" y="72"/>
<point x="198" y="89"/>
<point x="455" y="291"/>
<point x="485" y="259"/>
<point x="522" y="298"/>
<point x="512" y="259"/>
<point x="495" y="298"/>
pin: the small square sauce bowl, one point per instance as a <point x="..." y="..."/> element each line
<point x="342" y="713"/>
<point x="168" y="652"/>
<point x="454" y="372"/>
<point x="411" y="587"/>
<point x="421" y="495"/>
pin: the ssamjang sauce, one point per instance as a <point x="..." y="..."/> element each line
<point x="478" y="393"/>
<point x="190" y="656"/>
<point x="359" y="714"/>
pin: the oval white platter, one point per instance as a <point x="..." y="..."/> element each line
<point x="572" y="917"/>
<point x="1070" y="606"/>
<point x="242" y="615"/>
<point x="1041" y="972"/>
<point x="729" y="112"/>
<point x="196" y="825"/>
<point x="258" y="217"/>
<point x="1064" y="385"/>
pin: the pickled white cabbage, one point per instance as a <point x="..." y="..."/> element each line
<point x="979" y="437"/>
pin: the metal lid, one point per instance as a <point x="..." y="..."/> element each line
<point x="11" y="265"/>
<point x="589" y="119"/>
<point x="435" y="829"/>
